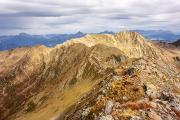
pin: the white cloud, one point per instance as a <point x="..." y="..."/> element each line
<point x="62" y="16"/>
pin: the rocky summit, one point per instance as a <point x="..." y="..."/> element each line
<point x="96" y="77"/>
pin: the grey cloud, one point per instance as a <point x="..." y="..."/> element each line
<point x="118" y="17"/>
<point x="13" y="27"/>
<point x="63" y="22"/>
<point x="88" y="15"/>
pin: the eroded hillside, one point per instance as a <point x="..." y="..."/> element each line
<point x="96" y="77"/>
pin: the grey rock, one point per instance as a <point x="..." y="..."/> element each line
<point x="86" y="112"/>
<point x="107" y="117"/>
<point x="109" y="106"/>
<point x="125" y="98"/>
<point x="135" y="118"/>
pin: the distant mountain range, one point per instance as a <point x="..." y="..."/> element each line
<point x="23" y="39"/>
<point x="50" y="40"/>
<point x="159" y="35"/>
<point x="176" y="43"/>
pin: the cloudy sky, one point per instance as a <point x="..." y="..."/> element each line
<point x="69" y="16"/>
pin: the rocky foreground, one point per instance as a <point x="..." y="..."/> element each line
<point x="96" y="77"/>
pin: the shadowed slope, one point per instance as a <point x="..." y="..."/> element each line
<point x="121" y="68"/>
<point x="40" y="67"/>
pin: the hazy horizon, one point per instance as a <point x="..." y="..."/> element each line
<point x="75" y="32"/>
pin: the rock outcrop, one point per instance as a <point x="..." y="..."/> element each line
<point x="131" y="79"/>
<point x="131" y="43"/>
<point x="176" y="43"/>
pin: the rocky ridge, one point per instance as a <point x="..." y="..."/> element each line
<point x="131" y="43"/>
<point x="135" y="79"/>
<point x="176" y="43"/>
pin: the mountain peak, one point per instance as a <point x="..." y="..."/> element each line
<point x="107" y="32"/>
<point x="79" y="32"/>
<point x="23" y="34"/>
<point x="176" y="43"/>
<point x="89" y="77"/>
<point x="129" y="35"/>
<point x="131" y="43"/>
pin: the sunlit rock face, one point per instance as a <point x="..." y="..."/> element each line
<point x="100" y="76"/>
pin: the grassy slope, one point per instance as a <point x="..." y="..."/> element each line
<point x="58" y="102"/>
